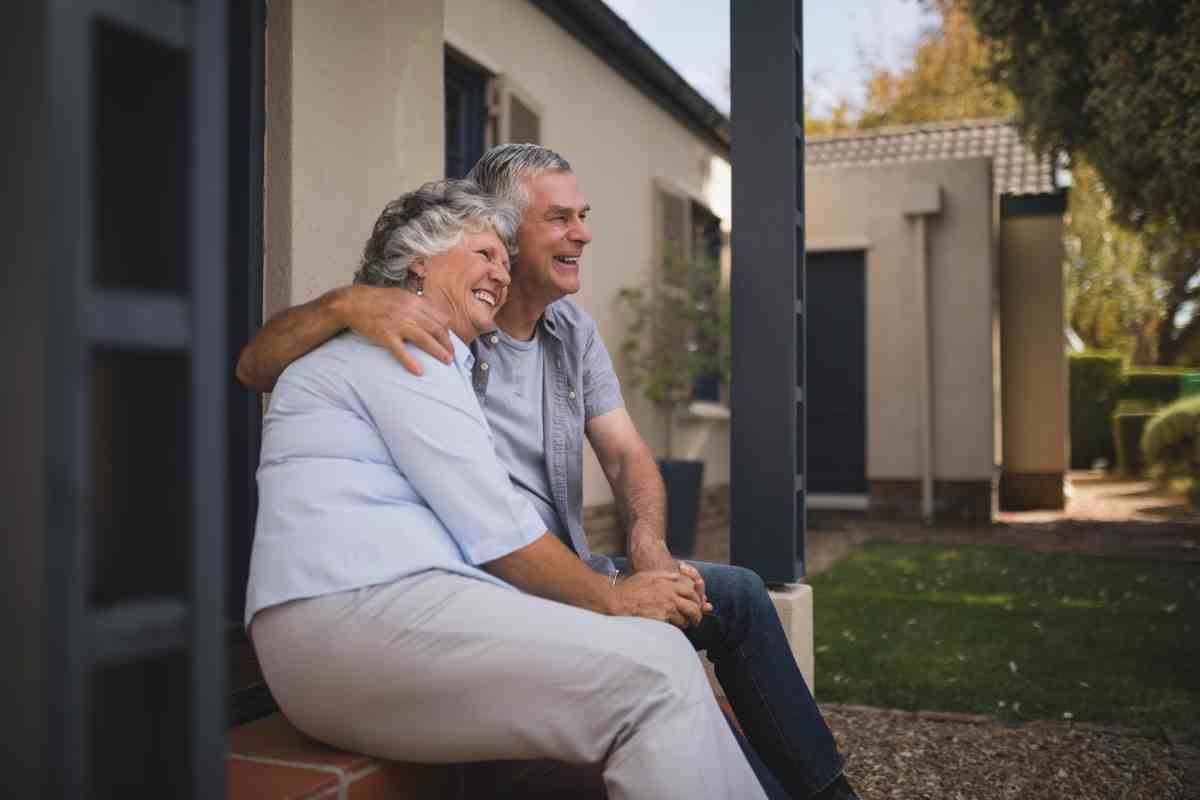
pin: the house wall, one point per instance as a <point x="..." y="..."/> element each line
<point x="619" y="143"/>
<point x="354" y="118"/>
<point x="864" y="208"/>
<point x="1033" y="364"/>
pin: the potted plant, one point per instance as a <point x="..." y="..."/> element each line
<point x="677" y="331"/>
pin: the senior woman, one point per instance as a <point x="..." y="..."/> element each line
<point x="405" y="601"/>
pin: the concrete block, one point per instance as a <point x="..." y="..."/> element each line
<point x="794" y="604"/>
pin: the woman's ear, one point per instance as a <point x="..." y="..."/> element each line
<point x="418" y="267"/>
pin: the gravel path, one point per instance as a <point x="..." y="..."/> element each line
<point x="918" y="755"/>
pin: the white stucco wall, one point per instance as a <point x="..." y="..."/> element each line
<point x="618" y="142"/>
<point x="355" y="116"/>
<point x="354" y="98"/>
<point x="863" y="207"/>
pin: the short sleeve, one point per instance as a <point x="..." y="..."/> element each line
<point x="438" y="438"/>
<point x="601" y="387"/>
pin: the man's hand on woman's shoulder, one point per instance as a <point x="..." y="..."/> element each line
<point x="390" y="317"/>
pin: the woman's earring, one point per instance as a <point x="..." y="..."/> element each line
<point x="419" y="280"/>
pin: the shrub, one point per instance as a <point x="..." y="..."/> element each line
<point x="1171" y="439"/>
<point x="1158" y="385"/>
<point x="1095" y="383"/>
<point x="1128" y="423"/>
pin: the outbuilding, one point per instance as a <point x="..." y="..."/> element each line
<point x="933" y="307"/>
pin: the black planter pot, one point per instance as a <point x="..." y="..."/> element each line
<point x="684" y="480"/>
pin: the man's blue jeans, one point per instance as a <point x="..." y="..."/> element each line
<point x="754" y="663"/>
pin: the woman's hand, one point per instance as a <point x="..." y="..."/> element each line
<point x="664" y="595"/>
<point x="390" y="317"/>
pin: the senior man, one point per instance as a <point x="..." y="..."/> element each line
<point x="545" y="380"/>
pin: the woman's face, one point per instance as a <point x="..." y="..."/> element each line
<point x="469" y="282"/>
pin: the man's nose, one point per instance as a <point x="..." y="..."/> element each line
<point x="579" y="232"/>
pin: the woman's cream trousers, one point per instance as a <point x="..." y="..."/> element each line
<point x="443" y="668"/>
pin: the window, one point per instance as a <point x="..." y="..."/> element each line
<point x="516" y="116"/>
<point x="466" y="115"/>
<point x="707" y="244"/>
<point x="690" y="248"/>
<point x="483" y="110"/>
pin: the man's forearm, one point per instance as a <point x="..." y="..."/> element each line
<point x="641" y="501"/>
<point x="546" y="568"/>
<point x="287" y="336"/>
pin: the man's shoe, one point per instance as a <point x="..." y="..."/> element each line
<point x="838" y="790"/>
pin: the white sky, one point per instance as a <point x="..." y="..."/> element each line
<point x="840" y="36"/>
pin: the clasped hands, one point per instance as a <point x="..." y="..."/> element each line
<point x="666" y="590"/>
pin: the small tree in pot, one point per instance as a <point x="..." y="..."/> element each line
<point x="677" y="332"/>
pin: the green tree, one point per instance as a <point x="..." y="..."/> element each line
<point x="1116" y="84"/>
<point x="1115" y="81"/>
<point x="1114" y="297"/>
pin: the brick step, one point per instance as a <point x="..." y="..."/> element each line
<point x="268" y="758"/>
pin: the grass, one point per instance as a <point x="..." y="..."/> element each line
<point x="1011" y="633"/>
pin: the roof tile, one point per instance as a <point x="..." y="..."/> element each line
<point x="1017" y="169"/>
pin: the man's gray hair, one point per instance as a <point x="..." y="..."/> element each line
<point x="504" y="169"/>
<point x="430" y="221"/>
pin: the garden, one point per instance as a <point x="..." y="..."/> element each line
<point x="1139" y="421"/>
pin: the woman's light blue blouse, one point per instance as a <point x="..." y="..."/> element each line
<point x="370" y="474"/>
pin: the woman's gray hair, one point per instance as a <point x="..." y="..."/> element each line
<point x="430" y="221"/>
<point x="503" y="170"/>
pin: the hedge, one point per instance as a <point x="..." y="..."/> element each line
<point x="1128" y="422"/>
<point x="1158" y="385"/>
<point x="1095" y="385"/>
<point x="1171" y="439"/>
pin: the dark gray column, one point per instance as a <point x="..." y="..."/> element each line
<point x="135" y="397"/>
<point x="767" y="436"/>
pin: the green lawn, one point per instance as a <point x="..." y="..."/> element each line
<point x="1012" y="633"/>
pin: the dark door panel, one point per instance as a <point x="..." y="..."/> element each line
<point x="835" y="394"/>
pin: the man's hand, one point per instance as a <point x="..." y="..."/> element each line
<point x="652" y="554"/>
<point x="664" y="595"/>
<point x="698" y="581"/>
<point x="390" y="317"/>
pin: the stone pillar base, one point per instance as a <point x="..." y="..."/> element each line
<point x="794" y="604"/>
<point x="1031" y="491"/>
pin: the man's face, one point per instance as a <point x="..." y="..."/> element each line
<point x="551" y="238"/>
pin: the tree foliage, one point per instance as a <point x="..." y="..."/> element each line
<point x="1114" y="297"/>
<point x="1116" y="84"/>
<point x="947" y="80"/>
<point x="1114" y="81"/>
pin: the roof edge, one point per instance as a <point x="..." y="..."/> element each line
<point x="608" y="36"/>
<point x="916" y="127"/>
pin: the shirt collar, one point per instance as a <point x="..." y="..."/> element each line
<point x="462" y="354"/>
<point x="548" y="322"/>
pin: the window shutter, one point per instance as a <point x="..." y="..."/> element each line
<point x="674" y="239"/>
<point x="523" y="124"/>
